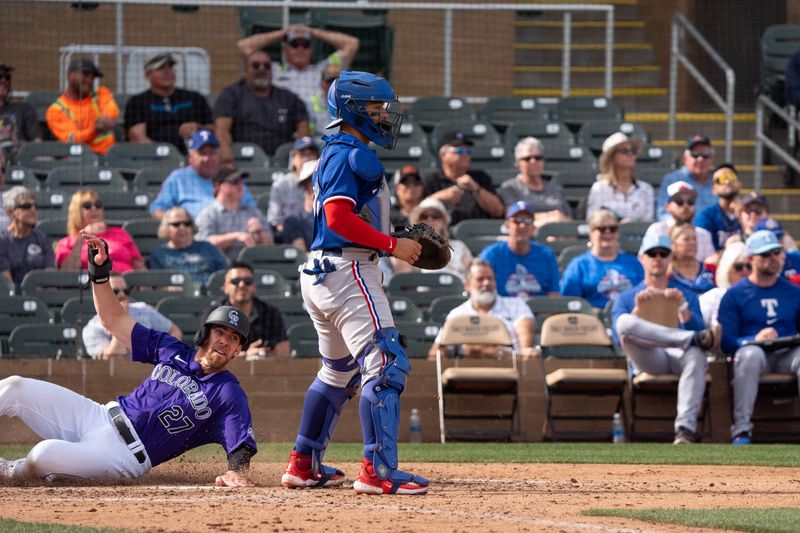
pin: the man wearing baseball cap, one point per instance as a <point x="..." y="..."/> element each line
<point x="18" y="122"/>
<point x="190" y="187"/>
<point x="659" y="349"/>
<point x="81" y="114"/>
<point x="761" y="307"/>
<point x="681" y="209"/>
<point x="297" y="73"/>
<point x="165" y="113"/>
<point x="791" y="265"/>
<point x="720" y="219"/>
<point x="522" y="267"/>
<point x="696" y="170"/>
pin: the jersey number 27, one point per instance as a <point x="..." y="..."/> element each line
<point x="174" y="420"/>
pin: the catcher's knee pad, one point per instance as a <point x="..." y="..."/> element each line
<point x="383" y="393"/>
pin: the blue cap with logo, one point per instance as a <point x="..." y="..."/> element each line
<point x="202" y="138"/>
<point x="770" y="224"/>
<point x="762" y="242"/>
<point x="651" y="241"/>
<point x="519" y="207"/>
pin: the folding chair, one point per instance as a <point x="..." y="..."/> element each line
<point x="130" y="157"/>
<point x="477" y="389"/>
<point x="77" y="310"/>
<point x="292" y="309"/>
<point x="150" y="286"/>
<point x="55" y="228"/>
<point x="477" y="234"/>
<point x="441" y="306"/>
<point x="269" y="284"/>
<point x="186" y="312"/>
<point x="51" y="203"/>
<point x="120" y="206"/>
<point x="25" y="177"/>
<point x="577" y="337"/>
<point x="569" y="253"/>
<point x="46" y="155"/>
<point x="41" y="101"/>
<point x="544" y="306"/>
<point x="18" y="310"/>
<point x="282" y="258"/>
<point x="502" y="111"/>
<point x="408" y="151"/>
<point x="423" y="288"/>
<point x="559" y="235"/>
<point x="419" y="337"/>
<point x="249" y="155"/>
<point x="72" y="178"/>
<point x="550" y="133"/>
<point x="150" y="179"/>
<point x="303" y="340"/>
<point x="54" y="286"/>
<point x="45" y="340"/>
<point x="280" y="159"/>
<point x="260" y="180"/>
<point x="145" y="234"/>
<point x="429" y="110"/>
<point x="575" y="110"/>
<point x="405" y="310"/>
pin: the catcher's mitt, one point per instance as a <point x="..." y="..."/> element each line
<point x="435" y="248"/>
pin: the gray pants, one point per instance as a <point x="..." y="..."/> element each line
<point x="749" y="363"/>
<point x="657" y="349"/>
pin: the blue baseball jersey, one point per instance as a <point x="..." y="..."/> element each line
<point x="348" y="170"/>
<point x="791" y="263"/>
<point x="626" y="301"/>
<point x="703" y="282"/>
<point x="746" y="309"/>
<point x="719" y="224"/>
<point x="525" y="276"/>
<point x="178" y="408"/>
<point x="599" y="281"/>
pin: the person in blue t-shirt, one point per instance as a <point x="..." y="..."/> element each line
<point x="522" y="267"/>
<point x="658" y="349"/>
<point x="720" y="219"/>
<point x="601" y="273"/>
<point x="791" y="263"/>
<point x="696" y="170"/>
<point x="761" y="307"/>
<point x="686" y="270"/>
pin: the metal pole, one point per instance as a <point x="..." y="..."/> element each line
<point x="565" y="57"/>
<point x="448" y="52"/>
<point x="609" y="52"/>
<point x="673" y="79"/>
<point x="758" y="156"/>
<point x="730" y="77"/>
<point x="120" y="43"/>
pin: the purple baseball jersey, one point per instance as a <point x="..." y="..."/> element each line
<point x="178" y="407"/>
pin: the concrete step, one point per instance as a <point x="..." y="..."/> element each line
<point x="582" y="32"/>
<point x="587" y="77"/>
<point x="583" y="55"/>
<point x="688" y="124"/>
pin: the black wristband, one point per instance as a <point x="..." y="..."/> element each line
<point x="239" y="459"/>
<point x="99" y="273"/>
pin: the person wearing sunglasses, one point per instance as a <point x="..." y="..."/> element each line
<point x="298" y="73"/>
<point x="617" y="189"/>
<point x="791" y="264"/>
<point x="733" y="267"/>
<point x="698" y="160"/>
<point x="659" y="349"/>
<point x="85" y="212"/>
<point x="529" y="186"/>
<point x="762" y="307"/>
<point x="165" y="113"/>
<point x="98" y="341"/>
<point x="196" y="258"/>
<point x="285" y="197"/>
<point x="18" y="121"/>
<point x="227" y="223"/>
<point x="23" y="247"/>
<point x="267" y="337"/>
<point x="522" y="267"/>
<point x="407" y="194"/>
<point x="721" y="219"/>
<point x="467" y="192"/>
<point x="681" y="209"/>
<point x="685" y="268"/>
<point x="602" y="272"/>
<point x="253" y="110"/>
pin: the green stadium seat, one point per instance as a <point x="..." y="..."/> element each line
<point x="44" y="156"/>
<point x="503" y="111"/>
<point x="575" y="110"/>
<point x="72" y="178"/>
<point x="45" y="340"/>
<point x="18" y="310"/>
<point x="430" y="110"/>
<point x="249" y="155"/>
<point x="150" y="286"/>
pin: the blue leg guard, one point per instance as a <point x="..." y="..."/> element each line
<point x="380" y="397"/>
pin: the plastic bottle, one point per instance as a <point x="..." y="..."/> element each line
<point x="414" y="427"/>
<point x="617" y="429"/>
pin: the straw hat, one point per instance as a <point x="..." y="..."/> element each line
<point x="610" y="146"/>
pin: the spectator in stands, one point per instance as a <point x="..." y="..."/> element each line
<point x="791" y="263"/>
<point x="298" y="74"/>
<point x="545" y="196"/>
<point x="433" y="213"/>
<point x="299" y="228"/>
<point x="696" y="170"/>
<point x="81" y="114"/>
<point x="318" y="111"/>
<point x="602" y="272"/>
<point x="252" y="110"/>
<point x="484" y="300"/>
<point x="659" y="349"/>
<point x="99" y="342"/>
<point x="407" y="194"/>
<point x="733" y="266"/>
<point x="618" y="190"/>
<point x="23" y="247"/>
<point x="267" y="331"/>
<point x="198" y="259"/>
<point x="755" y="208"/>
<point x="285" y="197"/>
<point x="18" y="122"/>
<point x="681" y="210"/>
<point x="762" y="307"/>
<point x="227" y="223"/>
<point x="467" y="193"/>
<point x="164" y="113"/>
<point x="190" y="187"/>
<point x="85" y="211"/>
<point x="522" y="267"/>
<point x="685" y="269"/>
<point x="720" y="219"/>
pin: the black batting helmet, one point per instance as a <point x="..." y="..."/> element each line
<point x="228" y="316"/>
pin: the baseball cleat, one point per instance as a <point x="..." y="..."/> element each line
<point x="298" y="474"/>
<point x="368" y="483"/>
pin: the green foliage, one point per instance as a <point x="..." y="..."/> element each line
<point x="13" y="526"/>
<point x="778" y="520"/>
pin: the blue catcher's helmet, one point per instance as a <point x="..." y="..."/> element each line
<point x="346" y="99"/>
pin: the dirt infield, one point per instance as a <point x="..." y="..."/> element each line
<point x="463" y="497"/>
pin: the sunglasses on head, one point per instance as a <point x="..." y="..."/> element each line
<point x="179" y="223"/>
<point x="661" y="253"/>
<point x="126" y="290"/>
<point x="681" y="201"/>
<point x="461" y="150"/>
<point x="25" y="206"/>
<point x="607" y="229"/>
<point x="300" y="44"/>
<point x="239" y="281"/>
<point x="738" y="267"/>
<point x="771" y="253"/>
<point x="704" y="155"/>
<point x="628" y="151"/>
<point x="88" y="205"/>
<point x="529" y="158"/>
<point x="260" y="65"/>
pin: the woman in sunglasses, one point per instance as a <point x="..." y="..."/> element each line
<point x="198" y="259"/>
<point x="22" y="247"/>
<point x="602" y="272"/>
<point x="685" y="267"/>
<point x="618" y="190"/>
<point x="732" y="267"/>
<point x="86" y="212"/>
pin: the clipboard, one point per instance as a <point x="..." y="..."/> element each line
<point x="660" y="310"/>
<point x="778" y="343"/>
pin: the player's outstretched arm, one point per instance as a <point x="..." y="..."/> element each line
<point x="112" y="315"/>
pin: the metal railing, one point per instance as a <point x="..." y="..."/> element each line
<point x="764" y="102"/>
<point x="680" y="27"/>
<point x="447" y="30"/>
